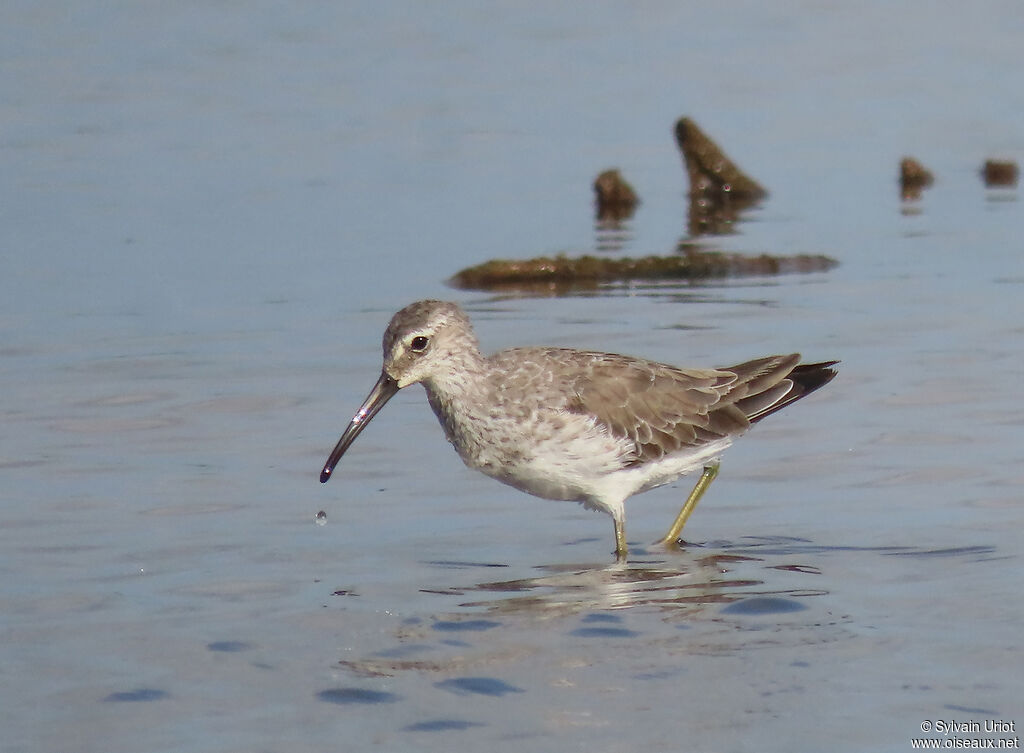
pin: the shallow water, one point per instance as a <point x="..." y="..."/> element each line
<point x="208" y="215"/>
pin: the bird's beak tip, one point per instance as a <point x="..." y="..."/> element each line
<point x="385" y="388"/>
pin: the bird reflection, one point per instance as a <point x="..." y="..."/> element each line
<point x="691" y="581"/>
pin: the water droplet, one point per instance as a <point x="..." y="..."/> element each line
<point x="321" y="518"/>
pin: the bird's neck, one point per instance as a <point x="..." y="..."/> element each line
<point x="464" y="376"/>
<point x="458" y="393"/>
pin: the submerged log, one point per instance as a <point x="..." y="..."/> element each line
<point x="587" y="271"/>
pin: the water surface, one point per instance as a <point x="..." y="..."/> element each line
<point x="209" y="212"/>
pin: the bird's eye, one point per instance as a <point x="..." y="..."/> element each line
<point x="419" y="344"/>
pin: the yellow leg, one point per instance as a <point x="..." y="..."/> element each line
<point x="620" y="540"/>
<point x="709" y="474"/>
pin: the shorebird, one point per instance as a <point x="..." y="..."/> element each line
<point x="558" y="423"/>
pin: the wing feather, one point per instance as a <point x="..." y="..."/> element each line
<point x="662" y="409"/>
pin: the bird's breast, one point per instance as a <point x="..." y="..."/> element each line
<point x="546" y="452"/>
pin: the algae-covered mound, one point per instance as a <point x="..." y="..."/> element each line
<point x="999" y="173"/>
<point x="614" y="198"/>
<point x="584" y="271"/>
<point x="719" y="190"/>
<point x="710" y="171"/>
<point x="914" y="178"/>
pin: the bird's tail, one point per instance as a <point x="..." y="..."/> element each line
<point x="804" y="379"/>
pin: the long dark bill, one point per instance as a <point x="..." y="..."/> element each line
<point x="383" y="391"/>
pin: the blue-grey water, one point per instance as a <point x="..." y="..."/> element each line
<point x="209" y="211"/>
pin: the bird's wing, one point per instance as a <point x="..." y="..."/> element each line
<point x="663" y="409"/>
